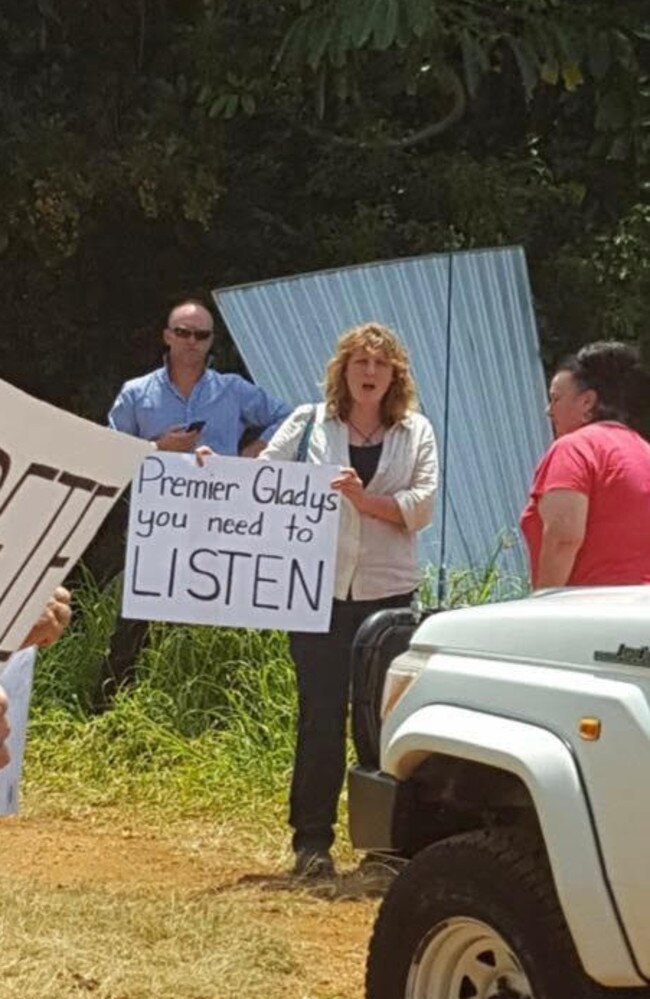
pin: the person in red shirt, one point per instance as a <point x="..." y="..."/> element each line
<point x="587" y="520"/>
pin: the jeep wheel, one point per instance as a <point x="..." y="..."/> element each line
<point x="464" y="957"/>
<point x="475" y="917"/>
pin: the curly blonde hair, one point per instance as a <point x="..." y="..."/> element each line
<point x="375" y="339"/>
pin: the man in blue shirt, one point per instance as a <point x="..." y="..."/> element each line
<point x="179" y="406"/>
<point x="163" y="405"/>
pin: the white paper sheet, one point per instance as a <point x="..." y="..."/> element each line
<point x="16" y="678"/>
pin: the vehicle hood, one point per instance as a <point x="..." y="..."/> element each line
<point x="581" y="626"/>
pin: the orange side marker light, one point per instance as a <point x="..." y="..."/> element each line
<point x="590" y="729"/>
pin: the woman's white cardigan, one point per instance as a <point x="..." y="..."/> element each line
<point x="375" y="559"/>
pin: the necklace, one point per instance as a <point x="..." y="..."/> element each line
<point x="366" y="438"/>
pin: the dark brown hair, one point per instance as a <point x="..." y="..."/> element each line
<point x="614" y="371"/>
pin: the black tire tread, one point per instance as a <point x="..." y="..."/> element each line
<point x="523" y="861"/>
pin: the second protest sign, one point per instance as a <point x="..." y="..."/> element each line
<point x="238" y="542"/>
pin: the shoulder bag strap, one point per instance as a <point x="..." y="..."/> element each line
<point x="303" y="443"/>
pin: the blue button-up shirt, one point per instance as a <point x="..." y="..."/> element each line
<point x="150" y="405"/>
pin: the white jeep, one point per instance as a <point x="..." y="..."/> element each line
<point x="514" y="769"/>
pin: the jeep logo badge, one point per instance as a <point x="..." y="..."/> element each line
<point x="626" y="654"/>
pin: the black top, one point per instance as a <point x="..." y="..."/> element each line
<point x="365" y="460"/>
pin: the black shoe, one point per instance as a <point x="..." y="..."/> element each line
<point x="313" y="864"/>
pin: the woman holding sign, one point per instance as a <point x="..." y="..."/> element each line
<point x="370" y="427"/>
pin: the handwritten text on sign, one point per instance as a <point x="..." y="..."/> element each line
<point x="238" y="542"/>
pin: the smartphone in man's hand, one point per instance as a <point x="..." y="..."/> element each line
<point x="196" y="425"/>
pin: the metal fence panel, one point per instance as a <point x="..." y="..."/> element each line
<point x="286" y="329"/>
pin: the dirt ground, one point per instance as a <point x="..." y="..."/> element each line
<point x="323" y="929"/>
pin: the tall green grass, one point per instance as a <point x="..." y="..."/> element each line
<point x="208" y="724"/>
<point x="471" y="586"/>
<point x="209" y="720"/>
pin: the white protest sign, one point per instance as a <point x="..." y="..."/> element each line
<point x="59" y="477"/>
<point x="239" y="542"/>
<point x="16" y="678"/>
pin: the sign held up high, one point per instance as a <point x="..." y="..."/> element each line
<point x="239" y="542"/>
<point x="59" y="477"/>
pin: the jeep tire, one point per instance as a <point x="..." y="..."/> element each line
<point x="477" y="917"/>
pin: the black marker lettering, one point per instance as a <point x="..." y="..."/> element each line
<point x="134" y="578"/>
<point x="295" y="572"/>
<point x="264" y="579"/>
<point x="269" y="493"/>
<point x="145" y="520"/>
<point x="152" y="465"/>
<point x="231" y="568"/>
<point x="204" y="572"/>
<point x="172" y="573"/>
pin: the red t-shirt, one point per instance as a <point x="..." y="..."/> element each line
<point x="610" y="464"/>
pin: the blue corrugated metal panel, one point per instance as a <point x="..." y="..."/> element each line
<point x="286" y="330"/>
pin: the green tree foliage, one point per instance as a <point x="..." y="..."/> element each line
<point x="455" y="46"/>
<point x="157" y="148"/>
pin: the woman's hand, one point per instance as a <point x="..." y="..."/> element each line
<point x="53" y="621"/>
<point x="350" y="485"/>
<point x="203" y="452"/>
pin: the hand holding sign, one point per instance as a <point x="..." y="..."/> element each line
<point x="53" y="621"/>
<point x="203" y="452"/>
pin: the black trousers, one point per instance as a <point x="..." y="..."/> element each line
<point x="105" y="559"/>
<point x="322" y="664"/>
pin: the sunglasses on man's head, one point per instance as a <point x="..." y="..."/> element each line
<point x="184" y="333"/>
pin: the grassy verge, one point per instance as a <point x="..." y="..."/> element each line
<point x="171" y="884"/>
<point x="209" y="723"/>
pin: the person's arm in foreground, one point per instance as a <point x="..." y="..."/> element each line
<point x="564" y="521"/>
<point x="4" y="729"/>
<point x="54" y="619"/>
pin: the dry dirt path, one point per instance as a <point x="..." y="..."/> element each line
<point x="113" y="909"/>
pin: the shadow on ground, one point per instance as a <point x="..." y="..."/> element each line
<point x="369" y="880"/>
